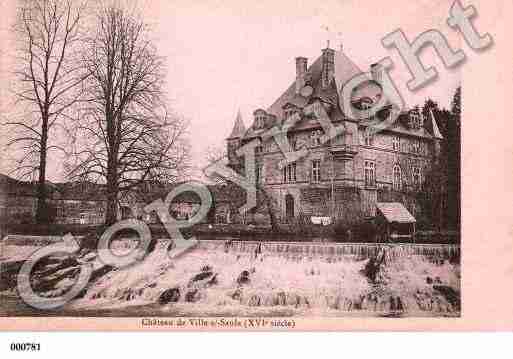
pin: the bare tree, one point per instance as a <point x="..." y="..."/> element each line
<point x="215" y="154"/>
<point x="125" y="135"/>
<point x="48" y="80"/>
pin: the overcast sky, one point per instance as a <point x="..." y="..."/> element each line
<point x="229" y="55"/>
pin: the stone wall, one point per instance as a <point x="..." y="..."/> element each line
<point x="19" y="209"/>
<point x="78" y="211"/>
<point x="345" y="174"/>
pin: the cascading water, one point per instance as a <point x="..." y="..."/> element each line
<point x="364" y="250"/>
<point x="250" y="277"/>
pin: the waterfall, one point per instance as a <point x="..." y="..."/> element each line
<point x="359" y="250"/>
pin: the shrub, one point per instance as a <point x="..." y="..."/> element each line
<point x="260" y="219"/>
<point x="302" y="225"/>
<point x="365" y="231"/>
<point x="340" y="228"/>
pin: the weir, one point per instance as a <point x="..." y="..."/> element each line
<point x="317" y="249"/>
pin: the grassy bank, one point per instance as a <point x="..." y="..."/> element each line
<point x="364" y="232"/>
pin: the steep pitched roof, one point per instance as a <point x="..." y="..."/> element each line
<point x="345" y="69"/>
<point x="399" y="127"/>
<point x="436" y="130"/>
<point x="238" y="127"/>
<point x="290" y="96"/>
<point x="395" y="212"/>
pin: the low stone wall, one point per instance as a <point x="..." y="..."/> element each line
<point x="363" y="250"/>
<point x="23" y="240"/>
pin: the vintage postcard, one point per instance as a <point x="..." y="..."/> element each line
<point x="271" y="165"/>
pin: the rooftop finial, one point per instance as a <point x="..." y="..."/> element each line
<point x="327" y="29"/>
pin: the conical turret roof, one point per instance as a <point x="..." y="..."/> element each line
<point x="238" y="127"/>
<point x="436" y="130"/>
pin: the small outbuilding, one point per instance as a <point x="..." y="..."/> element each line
<point x="394" y="222"/>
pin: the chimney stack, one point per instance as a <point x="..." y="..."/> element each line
<point x="301" y="66"/>
<point x="328" y="66"/>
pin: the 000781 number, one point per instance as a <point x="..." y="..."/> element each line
<point x="25" y="347"/>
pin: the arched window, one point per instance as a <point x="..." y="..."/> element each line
<point x="397" y="180"/>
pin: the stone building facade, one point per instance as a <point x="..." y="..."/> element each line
<point x="343" y="176"/>
<point x="85" y="202"/>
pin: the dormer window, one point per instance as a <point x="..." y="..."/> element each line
<point x="259" y="121"/>
<point x="316" y="138"/>
<point x="415" y="120"/>
<point x="290" y="113"/>
<point x="260" y="118"/>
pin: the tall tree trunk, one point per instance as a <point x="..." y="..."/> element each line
<point x="111" y="214"/>
<point x="42" y="215"/>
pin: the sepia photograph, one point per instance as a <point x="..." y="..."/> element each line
<point x="257" y="163"/>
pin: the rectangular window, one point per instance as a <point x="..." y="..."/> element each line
<point x="289" y="173"/>
<point x="397" y="178"/>
<point x="292" y="141"/>
<point x="369" y="173"/>
<point x="259" y="149"/>
<point x="316" y="170"/>
<point x="417" y="177"/>
<point x="368" y="137"/>
<point x="396" y="143"/>
<point x="258" y="170"/>
<point x="416" y="146"/>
